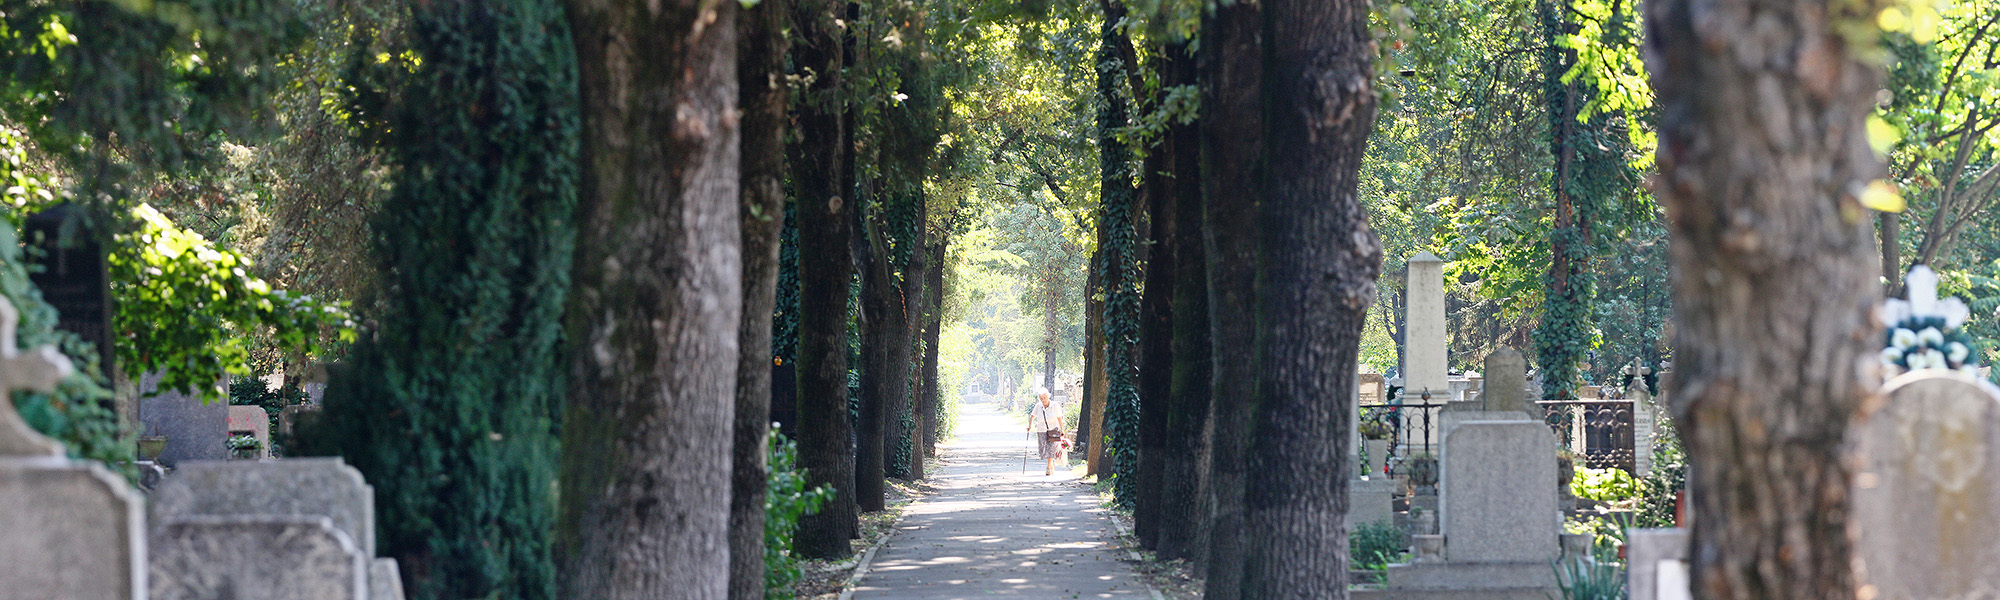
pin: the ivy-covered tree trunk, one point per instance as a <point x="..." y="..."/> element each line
<point x="658" y="304"/>
<point x="1589" y="171"/>
<point x="826" y="228"/>
<point x="1316" y="277"/>
<point x="764" y="98"/>
<point x="924" y="354"/>
<point x="1156" y="317"/>
<point x="933" y="330"/>
<point x="1183" y="490"/>
<point x="1118" y="205"/>
<point x="1231" y="69"/>
<point x="449" y="407"/>
<point x="1774" y="281"/>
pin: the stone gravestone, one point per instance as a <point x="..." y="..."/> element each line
<point x="1507" y="383"/>
<point x="252" y="421"/>
<point x="301" y="487"/>
<point x="1424" y="358"/>
<point x="1645" y="414"/>
<point x="1499" y="493"/>
<point x="195" y="430"/>
<point x="1927" y="492"/>
<point x="261" y="557"/>
<point x="384" y="581"/>
<point x="68" y="528"/>
<point x="1656" y="564"/>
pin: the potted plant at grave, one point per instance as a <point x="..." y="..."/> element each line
<point x="1423" y="470"/>
<point x="244" y="446"/>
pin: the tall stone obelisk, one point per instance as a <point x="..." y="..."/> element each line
<point x="1424" y="337"/>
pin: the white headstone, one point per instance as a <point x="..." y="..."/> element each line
<point x="310" y="487"/>
<point x="68" y="528"/>
<point x="1927" y="489"/>
<point x="1424" y="366"/>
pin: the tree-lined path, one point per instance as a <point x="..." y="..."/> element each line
<point x="992" y="531"/>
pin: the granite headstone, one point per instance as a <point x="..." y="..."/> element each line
<point x="261" y="557"/>
<point x="1498" y="496"/>
<point x="1927" y="491"/>
<point x="323" y="487"/>
<point x="195" y="430"/>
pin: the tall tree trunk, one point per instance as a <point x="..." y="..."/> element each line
<point x="1090" y="416"/>
<point x="760" y="70"/>
<point x="933" y="330"/>
<point x="1319" y="261"/>
<point x="658" y="304"/>
<point x="825" y="268"/>
<point x="1157" y="315"/>
<point x="922" y="384"/>
<point x="1892" y="254"/>
<point x="1232" y="67"/>
<point x="1183" y="487"/>
<point x="1774" y="285"/>
<point x="881" y="324"/>
<point x="1119" y="208"/>
<point x="1156" y="327"/>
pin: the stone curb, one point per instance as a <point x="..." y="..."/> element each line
<point x="1133" y="554"/>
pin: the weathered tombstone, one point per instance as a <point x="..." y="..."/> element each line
<point x="1506" y="382"/>
<point x="1644" y="416"/>
<point x="1499" y="494"/>
<point x="1371" y="388"/>
<point x="195" y="430"/>
<point x="384" y="581"/>
<point x="306" y="487"/>
<point x="262" y="557"/>
<point x="1656" y="564"/>
<point x="252" y="421"/>
<point x="1927" y="490"/>
<point x="1501" y="525"/>
<point x="68" y="528"/>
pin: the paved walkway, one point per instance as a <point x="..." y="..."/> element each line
<point x="991" y="531"/>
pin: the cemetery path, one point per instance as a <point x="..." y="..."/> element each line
<point x="991" y="530"/>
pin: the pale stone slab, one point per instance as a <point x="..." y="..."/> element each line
<point x="261" y="557"/>
<point x="1424" y="357"/>
<point x="1646" y="551"/>
<point x="325" y="487"/>
<point x="1927" y="491"/>
<point x="195" y="429"/>
<point x="1498" y="496"/>
<point x="1368" y="501"/>
<point x="254" y="421"/>
<point x="384" y="581"/>
<point x="1506" y="382"/>
<point x="69" y="529"/>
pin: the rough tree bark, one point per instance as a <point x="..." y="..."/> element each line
<point x="825" y="267"/>
<point x="1156" y="318"/>
<point x="882" y="323"/>
<point x="933" y="329"/>
<point x="1318" y="262"/>
<point x="1762" y="146"/>
<point x="1183" y="487"/>
<point x="760" y="70"/>
<point x="654" y="318"/>
<point x="1118" y="208"/>
<point x="920" y="385"/>
<point x="1231" y="70"/>
<point x="1090" y="416"/>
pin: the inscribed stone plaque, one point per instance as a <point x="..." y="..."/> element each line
<point x="325" y="487"/>
<point x="1498" y="496"/>
<point x="1927" y="492"/>
<point x="69" y="529"/>
<point x="260" y="557"/>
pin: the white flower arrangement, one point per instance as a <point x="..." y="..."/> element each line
<point x="1924" y="332"/>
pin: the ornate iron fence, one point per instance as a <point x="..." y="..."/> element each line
<point x="1599" y="432"/>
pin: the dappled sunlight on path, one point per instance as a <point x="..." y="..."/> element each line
<point x="992" y="530"/>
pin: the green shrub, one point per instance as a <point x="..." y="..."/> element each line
<point x="1585" y="578"/>
<point x="1669" y="477"/>
<point x="785" y="500"/>
<point x="1375" y="544"/>
<point x="1605" y="485"/>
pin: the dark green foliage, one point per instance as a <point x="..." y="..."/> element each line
<point x="1667" y="480"/>
<point x="77" y="413"/>
<point x="898" y="465"/>
<point x="785" y="501"/>
<point x="1593" y="174"/>
<point x="449" y="406"/>
<point x="1376" y="543"/>
<point x="143" y="82"/>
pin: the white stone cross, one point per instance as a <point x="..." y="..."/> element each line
<point x="40" y="370"/>
<point x="1638" y="369"/>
